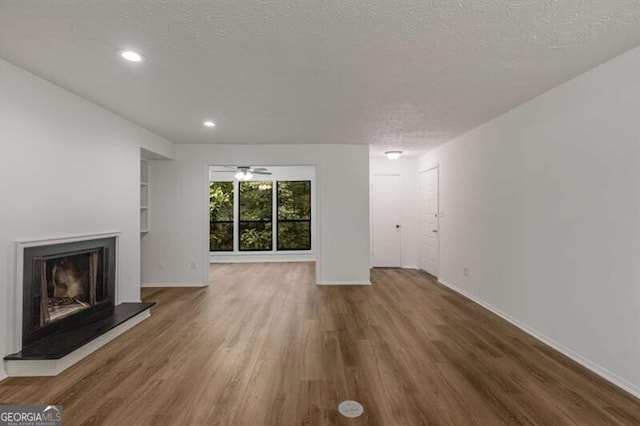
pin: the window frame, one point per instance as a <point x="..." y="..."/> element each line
<point x="232" y="221"/>
<point x="278" y="220"/>
<point x="240" y="221"/>
<point x="275" y="227"/>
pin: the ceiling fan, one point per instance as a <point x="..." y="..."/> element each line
<point x="247" y="172"/>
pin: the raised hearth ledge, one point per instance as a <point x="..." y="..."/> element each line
<point x="53" y="367"/>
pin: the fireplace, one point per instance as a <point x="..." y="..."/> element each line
<point x="65" y="307"/>
<point x="65" y="284"/>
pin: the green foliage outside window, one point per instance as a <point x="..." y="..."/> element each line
<point x="256" y="209"/>
<point x="255" y="236"/>
<point x="256" y="200"/>
<point x="294" y="236"/>
<point x="255" y="221"/>
<point x="221" y="216"/>
<point x="294" y="200"/>
<point x="294" y="215"/>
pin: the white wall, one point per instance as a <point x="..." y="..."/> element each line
<point x="542" y="203"/>
<point x="179" y="234"/>
<point x="407" y="168"/>
<point x="67" y="167"/>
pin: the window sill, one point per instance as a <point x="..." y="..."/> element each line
<point x="265" y="256"/>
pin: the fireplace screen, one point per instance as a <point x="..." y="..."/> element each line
<point x="69" y="284"/>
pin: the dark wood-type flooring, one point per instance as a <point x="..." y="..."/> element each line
<point x="263" y="345"/>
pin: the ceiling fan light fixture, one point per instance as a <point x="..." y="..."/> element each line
<point x="247" y="172"/>
<point x="244" y="173"/>
<point x="393" y="155"/>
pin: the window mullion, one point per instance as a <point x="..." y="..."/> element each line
<point x="236" y="216"/>
<point x="274" y="216"/>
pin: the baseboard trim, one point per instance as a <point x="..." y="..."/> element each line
<point x="174" y="285"/>
<point x="585" y="362"/>
<point x="343" y="283"/>
<point x="410" y="267"/>
<point x="53" y="367"/>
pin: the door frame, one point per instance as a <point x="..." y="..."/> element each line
<point x="371" y="216"/>
<point x="422" y="170"/>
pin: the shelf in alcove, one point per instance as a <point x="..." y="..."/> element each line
<point x="144" y="197"/>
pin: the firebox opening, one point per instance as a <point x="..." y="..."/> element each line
<point x="70" y="284"/>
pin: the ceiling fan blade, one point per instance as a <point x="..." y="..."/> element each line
<point x="260" y="173"/>
<point x="258" y="169"/>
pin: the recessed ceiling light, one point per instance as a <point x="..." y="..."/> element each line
<point x="131" y="56"/>
<point x="393" y="155"/>
<point x="209" y="124"/>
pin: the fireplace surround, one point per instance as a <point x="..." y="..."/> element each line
<point x="66" y="303"/>
<point x="66" y="283"/>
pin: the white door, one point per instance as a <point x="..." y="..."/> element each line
<point x="428" y="221"/>
<point x="386" y="223"/>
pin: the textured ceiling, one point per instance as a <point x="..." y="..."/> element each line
<point x="402" y="73"/>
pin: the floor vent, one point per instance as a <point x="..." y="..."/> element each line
<point x="350" y="409"/>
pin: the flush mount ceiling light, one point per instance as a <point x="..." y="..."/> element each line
<point x="131" y="56"/>
<point x="393" y="155"/>
<point x="209" y="123"/>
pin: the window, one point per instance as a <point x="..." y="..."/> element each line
<point x="294" y="215"/>
<point x="259" y="216"/>
<point x="221" y="216"/>
<point x="256" y="216"/>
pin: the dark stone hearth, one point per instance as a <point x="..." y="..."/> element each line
<point x="64" y="342"/>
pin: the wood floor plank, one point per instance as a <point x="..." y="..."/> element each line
<point x="263" y="345"/>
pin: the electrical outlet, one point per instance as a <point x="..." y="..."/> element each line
<point x="193" y="264"/>
<point x="161" y="264"/>
<point x="465" y="268"/>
